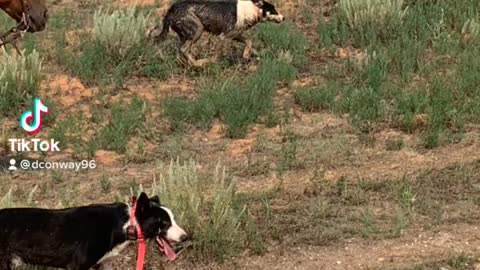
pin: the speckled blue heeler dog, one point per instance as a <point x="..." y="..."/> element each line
<point x="190" y="18"/>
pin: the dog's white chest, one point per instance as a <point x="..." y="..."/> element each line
<point x="247" y="14"/>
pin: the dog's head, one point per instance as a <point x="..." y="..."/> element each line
<point x="158" y="222"/>
<point x="269" y="12"/>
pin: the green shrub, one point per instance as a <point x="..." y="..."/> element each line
<point x="120" y="31"/>
<point x="471" y="30"/>
<point x="365" y="106"/>
<point x="180" y="110"/>
<point x="407" y="55"/>
<point x="284" y="39"/>
<point x="315" y="99"/>
<point x="241" y="106"/>
<point x="125" y="122"/>
<point x="405" y="195"/>
<point x="238" y="104"/>
<point x="375" y="70"/>
<point x="289" y="153"/>
<point x="380" y="17"/>
<point x="410" y="106"/>
<point x="20" y="79"/>
<point x="9" y="201"/>
<point x="208" y="209"/>
<point x="443" y="113"/>
<point x="117" y="50"/>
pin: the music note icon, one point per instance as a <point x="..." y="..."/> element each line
<point x="38" y="110"/>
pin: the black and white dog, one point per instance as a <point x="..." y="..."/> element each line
<point x="190" y="18"/>
<point x="84" y="237"/>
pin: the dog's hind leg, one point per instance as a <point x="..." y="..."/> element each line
<point x="183" y="47"/>
<point x="185" y="52"/>
<point x="194" y="27"/>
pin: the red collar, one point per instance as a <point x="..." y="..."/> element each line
<point x="134" y="232"/>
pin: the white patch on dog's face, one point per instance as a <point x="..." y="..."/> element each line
<point x="174" y="233"/>
<point x="247" y="13"/>
<point x="278" y="18"/>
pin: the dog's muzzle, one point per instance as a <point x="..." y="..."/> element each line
<point x="276" y="18"/>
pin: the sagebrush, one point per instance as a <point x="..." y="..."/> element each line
<point x="379" y="16"/>
<point x="208" y="209"/>
<point x="119" y="31"/>
<point x="20" y="79"/>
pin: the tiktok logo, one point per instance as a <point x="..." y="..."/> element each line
<point x="36" y="116"/>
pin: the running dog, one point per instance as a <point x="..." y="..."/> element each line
<point x="190" y="18"/>
<point x="84" y="237"/>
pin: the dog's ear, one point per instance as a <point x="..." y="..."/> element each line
<point x="143" y="203"/>
<point x="155" y="199"/>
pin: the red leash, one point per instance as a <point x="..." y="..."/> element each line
<point x="141" y="240"/>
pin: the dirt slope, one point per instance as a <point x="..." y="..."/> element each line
<point x="411" y="249"/>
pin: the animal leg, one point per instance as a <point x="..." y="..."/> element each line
<point x="184" y="51"/>
<point x="248" y="49"/>
<point x="190" y="30"/>
<point x="82" y="259"/>
<point x="180" y="44"/>
<point x="247" y="52"/>
<point x="105" y="266"/>
<point x="221" y="48"/>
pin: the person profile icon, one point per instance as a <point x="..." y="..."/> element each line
<point x="12" y="165"/>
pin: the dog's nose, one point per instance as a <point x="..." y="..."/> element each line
<point x="184" y="238"/>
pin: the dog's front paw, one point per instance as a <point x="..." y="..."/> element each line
<point x="247" y="55"/>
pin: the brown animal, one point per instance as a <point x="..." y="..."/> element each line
<point x="30" y="15"/>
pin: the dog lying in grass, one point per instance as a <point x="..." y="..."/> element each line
<point x="190" y="18"/>
<point x="84" y="237"/>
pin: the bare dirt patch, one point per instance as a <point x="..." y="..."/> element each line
<point x="420" y="246"/>
<point x="69" y="93"/>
